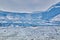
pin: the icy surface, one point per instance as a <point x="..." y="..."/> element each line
<point x="31" y="26"/>
<point x="30" y="33"/>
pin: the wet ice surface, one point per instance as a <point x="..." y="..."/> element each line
<point x="30" y="33"/>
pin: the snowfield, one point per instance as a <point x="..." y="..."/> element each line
<point x="30" y="33"/>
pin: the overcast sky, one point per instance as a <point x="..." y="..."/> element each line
<point x="26" y="5"/>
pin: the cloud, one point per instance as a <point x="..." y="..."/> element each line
<point x="26" y="5"/>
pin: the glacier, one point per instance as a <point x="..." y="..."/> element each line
<point x="43" y="25"/>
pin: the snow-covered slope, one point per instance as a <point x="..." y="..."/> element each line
<point x="29" y="33"/>
<point x="57" y="18"/>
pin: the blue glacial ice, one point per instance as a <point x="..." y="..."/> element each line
<point x="31" y="19"/>
<point x="31" y="26"/>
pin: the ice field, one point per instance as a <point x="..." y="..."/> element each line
<point x="30" y="33"/>
<point x="31" y="26"/>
